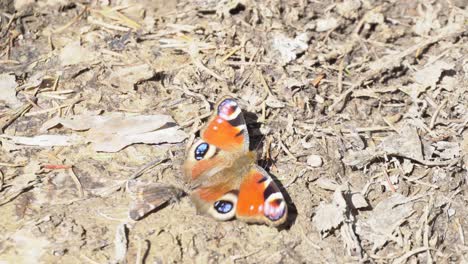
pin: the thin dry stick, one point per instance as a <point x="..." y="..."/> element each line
<point x="460" y="231"/>
<point x="51" y="43"/>
<point x="358" y="130"/>
<point x="140" y="252"/>
<point x="9" y="62"/>
<point x="60" y="29"/>
<point x="88" y="259"/>
<point x="406" y="256"/>
<point x="286" y="150"/>
<point x="390" y="184"/>
<point x="236" y="257"/>
<point x="4" y="164"/>
<point x="264" y="83"/>
<point x="436" y="114"/>
<point x="420" y="182"/>
<point x="145" y="167"/>
<point x="234" y="50"/>
<point x="340" y="75"/>
<point x="9" y="24"/>
<point x="426" y="234"/>
<point x="75" y="100"/>
<point x="17" y="193"/>
<point x="47" y="110"/>
<point x="2" y="180"/>
<point x="190" y="122"/>
<point x="31" y="101"/>
<point x="54" y="87"/>
<point x="77" y="182"/>
<point x="106" y="25"/>
<point x="6" y="121"/>
<point x="200" y="65"/>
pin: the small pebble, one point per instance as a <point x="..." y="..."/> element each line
<point x="314" y="161"/>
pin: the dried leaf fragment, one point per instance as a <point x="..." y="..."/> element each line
<point x="430" y="75"/>
<point x="126" y="77"/>
<point x="7" y="90"/>
<point x="289" y="48"/>
<point x="73" y="53"/>
<point x="329" y="216"/>
<point x="109" y="133"/>
<point x="387" y="215"/>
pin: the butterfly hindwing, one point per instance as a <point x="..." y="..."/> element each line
<point x="260" y="199"/>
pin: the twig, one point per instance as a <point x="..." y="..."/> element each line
<point x="60" y="29"/>
<point x="23" y="189"/>
<point x="4" y="164"/>
<point x="138" y="259"/>
<point x="190" y="122"/>
<point x="120" y="243"/>
<point x="74" y="101"/>
<point x="54" y="87"/>
<point x="436" y="114"/>
<point x="420" y="182"/>
<point x="2" y="180"/>
<point x="6" y="121"/>
<point x="340" y="75"/>
<point x="9" y="24"/>
<point x="77" y="182"/>
<point x="106" y="25"/>
<point x="234" y="50"/>
<point x="148" y="165"/>
<point x="47" y="110"/>
<point x="460" y="231"/>
<point x="236" y="257"/>
<point x="320" y="78"/>
<point x="9" y="62"/>
<point x="264" y="83"/>
<point x="200" y="65"/>
<point x="89" y="259"/>
<point x="390" y="184"/>
<point x="285" y="149"/>
<point x="358" y="130"/>
<point x="114" y="14"/>
<point x="296" y="176"/>
<point x="416" y="251"/>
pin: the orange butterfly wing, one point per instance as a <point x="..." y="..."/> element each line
<point x="227" y="130"/>
<point x="260" y="199"/>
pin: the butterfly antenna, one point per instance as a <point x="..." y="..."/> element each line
<point x="257" y="147"/>
<point x="259" y="143"/>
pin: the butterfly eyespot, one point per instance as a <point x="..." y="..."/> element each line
<point x="223" y="207"/>
<point x="201" y="150"/>
<point x="228" y="109"/>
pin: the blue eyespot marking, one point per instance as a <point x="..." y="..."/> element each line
<point x="223" y="207"/>
<point x="201" y="150"/>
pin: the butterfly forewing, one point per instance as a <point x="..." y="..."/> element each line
<point x="149" y="196"/>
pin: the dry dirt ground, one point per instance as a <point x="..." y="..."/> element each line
<point x="358" y="108"/>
